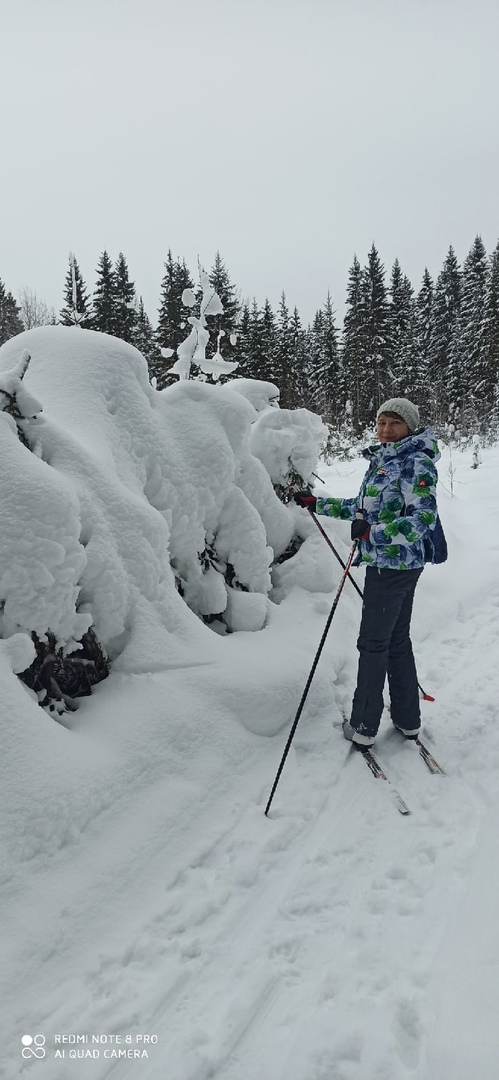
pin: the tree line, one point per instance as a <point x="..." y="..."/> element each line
<point x="439" y="345"/>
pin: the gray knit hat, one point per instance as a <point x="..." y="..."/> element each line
<point x="404" y="408"/>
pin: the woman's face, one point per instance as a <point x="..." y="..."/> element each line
<point x="391" y="428"/>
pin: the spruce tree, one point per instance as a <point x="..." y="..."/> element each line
<point x="168" y="331"/>
<point x="401" y="365"/>
<point x="424" y="393"/>
<point x="354" y="349"/>
<point x="104" y="299"/>
<point x="326" y="391"/>
<point x="255" y="359"/>
<point x="315" y="394"/>
<point x="228" y="321"/>
<point x="124" y="297"/>
<point x="283" y="358"/>
<point x="297" y="385"/>
<point x="446" y="304"/>
<point x="143" y="334"/>
<point x="467" y="375"/>
<point x="10" y="315"/>
<point x="78" y="307"/>
<point x="268" y="340"/>
<point x="172" y="316"/>
<point x="377" y="334"/>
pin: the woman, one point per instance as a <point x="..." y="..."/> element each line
<point x="394" y="518"/>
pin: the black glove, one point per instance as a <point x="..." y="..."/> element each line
<point x="360" y="529"/>
<point x="306" y="499"/>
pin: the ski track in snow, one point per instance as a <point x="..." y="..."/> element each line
<point x="317" y="944"/>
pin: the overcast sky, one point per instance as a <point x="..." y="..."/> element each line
<point x="289" y="134"/>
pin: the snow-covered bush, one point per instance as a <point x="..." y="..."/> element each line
<point x="39" y="565"/>
<point x="130" y="511"/>
<point x="286" y="441"/>
<point x="262" y="395"/>
<point x="15" y="399"/>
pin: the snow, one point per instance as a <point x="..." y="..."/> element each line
<point x="144" y="891"/>
<point x="193" y="348"/>
<point x="11" y="383"/>
<point x="286" y="440"/>
<point x="188" y="298"/>
<point x="126" y="481"/>
<point x="41" y="558"/>
<point x="263" y="395"/>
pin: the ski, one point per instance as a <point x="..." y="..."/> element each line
<point x="380" y="774"/>
<point x="428" y="758"/>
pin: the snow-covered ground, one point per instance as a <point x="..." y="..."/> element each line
<point x="145" y="895"/>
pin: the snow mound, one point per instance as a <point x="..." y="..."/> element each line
<point x="286" y="442"/>
<point x="262" y="395"/>
<point x="145" y="515"/>
<point x="133" y="510"/>
<point x="41" y="557"/>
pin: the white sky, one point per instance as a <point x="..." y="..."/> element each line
<point x="287" y="133"/>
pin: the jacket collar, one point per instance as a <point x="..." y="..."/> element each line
<point x="422" y="440"/>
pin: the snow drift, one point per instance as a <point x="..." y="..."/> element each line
<point x="142" y="514"/>
<point x="137" y="508"/>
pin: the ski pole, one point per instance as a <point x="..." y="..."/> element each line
<point x="334" y="551"/>
<point x="426" y="697"/>
<point x="311" y="675"/>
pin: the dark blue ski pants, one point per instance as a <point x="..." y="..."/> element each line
<point x="385" y="648"/>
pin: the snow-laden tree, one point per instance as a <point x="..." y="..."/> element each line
<point x="314" y="382"/>
<point x="292" y="358"/>
<point x="446" y="304"/>
<point x="283" y="371"/>
<point x="468" y="360"/>
<point x="228" y="320"/>
<point x="286" y="442"/>
<point x="124" y="301"/>
<point x="15" y="398"/>
<point x="251" y="331"/>
<point x="78" y="306"/>
<point x="172" y="315"/>
<point x="39" y="565"/>
<point x="325" y="384"/>
<point x="182" y="477"/>
<point x="267" y="342"/>
<point x="377" y="333"/>
<point x="104" y="297"/>
<point x="192" y="360"/>
<point x="354" y="348"/>
<point x="143" y="333"/>
<point x="402" y="365"/>
<point x="424" y="389"/>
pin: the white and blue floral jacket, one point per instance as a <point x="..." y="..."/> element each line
<point x="397" y="499"/>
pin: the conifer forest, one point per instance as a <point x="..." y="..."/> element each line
<point x="437" y="343"/>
